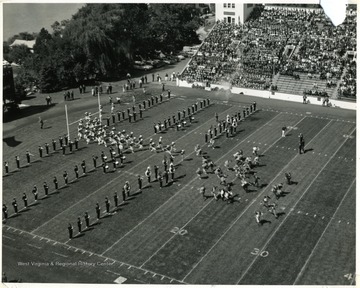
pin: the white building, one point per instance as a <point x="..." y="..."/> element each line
<point x="235" y="13"/>
<point x="28" y="43"/>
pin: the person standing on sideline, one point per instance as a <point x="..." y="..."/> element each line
<point x="283" y="130"/>
<point x="87" y="220"/>
<point x="53" y="144"/>
<point x="28" y="154"/>
<point x="71" y="230"/>
<point x="156" y="171"/>
<point x="46" y="189"/>
<point x="124" y="195"/>
<point x="17" y="159"/>
<point x="83" y="166"/>
<point x="41" y="151"/>
<point x="14" y="204"/>
<point x="56" y="183"/>
<point x="79" y="224"/>
<point x="148" y="174"/>
<point x="35" y="192"/>
<point x="140" y="183"/>
<point x="107" y="205"/>
<point x="47" y="149"/>
<point x="65" y="175"/>
<point x="6" y="167"/>
<point x="160" y="179"/>
<point x="41" y="123"/>
<point x="116" y="200"/>
<point x="5" y="212"/>
<point x="97" y="208"/>
<point x="24" y="197"/>
<point x="76" y="170"/>
<point x="94" y="160"/>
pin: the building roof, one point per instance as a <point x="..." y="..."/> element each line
<point x="29" y="43"/>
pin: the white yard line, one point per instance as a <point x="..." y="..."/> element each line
<point x="37" y="247"/>
<point x="62" y="255"/>
<point x="327" y="226"/>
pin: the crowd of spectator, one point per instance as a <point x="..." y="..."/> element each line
<point x="347" y="87"/>
<point x="278" y="39"/>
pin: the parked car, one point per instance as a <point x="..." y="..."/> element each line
<point x="180" y="57"/>
<point x="169" y="60"/>
<point x="144" y="67"/>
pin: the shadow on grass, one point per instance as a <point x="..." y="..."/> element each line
<point x="136" y="193"/>
<point x="88" y="228"/>
<point x="34" y="204"/>
<point x="123" y="204"/>
<point x="25" y="112"/>
<point x="263" y="221"/>
<point x="81" y="234"/>
<point x="14" y="215"/>
<point x="251" y="190"/>
<point x="180" y="177"/>
<point x="25" y="209"/>
<point x="11" y="142"/>
<point x="55" y="192"/>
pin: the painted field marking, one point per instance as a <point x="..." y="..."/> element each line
<point x="115" y="274"/>
<point x="321" y="236"/>
<point x="257" y="252"/>
<point x="9" y="237"/>
<point x="185" y="186"/>
<point x="62" y="255"/>
<point x="302" y="195"/>
<point x="120" y="279"/>
<point x="37" y="247"/>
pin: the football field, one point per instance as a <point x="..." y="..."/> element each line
<point x="173" y="234"/>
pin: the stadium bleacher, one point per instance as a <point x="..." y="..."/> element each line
<point x="293" y="51"/>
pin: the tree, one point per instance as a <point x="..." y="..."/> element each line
<point x="42" y="41"/>
<point x="18" y="54"/>
<point x="174" y="25"/>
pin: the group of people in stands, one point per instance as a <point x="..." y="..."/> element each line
<point x="249" y="55"/>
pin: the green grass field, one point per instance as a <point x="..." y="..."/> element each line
<point x="172" y="235"/>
